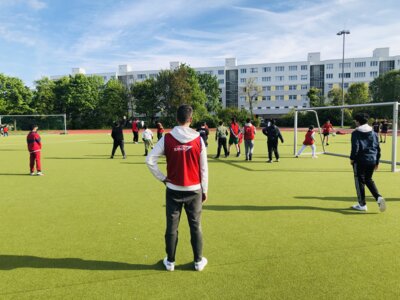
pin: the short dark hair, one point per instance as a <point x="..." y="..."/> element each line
<point x="248" y="120"/>
<point x="362" y="118"/>
<point x="220" y="123"/>
<point x="184" y="113"/>
<point x="144" y="127"/>
<point x="233" y="119"/>
<point x="311" y="127"/>
<point x="33" y="126"/>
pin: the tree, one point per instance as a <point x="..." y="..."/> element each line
<point x="15" y="98"/>
<point x="226" y="114"/>
<point x="335" y="96"/>
<point x="316" y="99"/>
<point x="357" y="93"/>
<point x="113" y="102"/>
<point x="209" y="85"/>
<point x="44" y="96"/>
<point x="386" y="87"/>
<point x="252" y="90"/>
<point x="146" y="99"/>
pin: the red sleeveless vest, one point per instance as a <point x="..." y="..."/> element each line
<point x="309" y="140"/>
<point x="249" y="132"/>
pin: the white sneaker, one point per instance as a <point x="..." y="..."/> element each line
<point x="39" y="174"/>
<point x="199" y="266"/>
<point x="359" y="207"/>
<point x="381" y="204"/>
<point x="32" y="174"/>
<point x="169" y="266"/>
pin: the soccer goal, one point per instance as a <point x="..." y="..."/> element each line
<point x="394" y="124"/>
<point x="56" y="123"/>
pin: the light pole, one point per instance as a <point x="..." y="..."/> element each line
<point x="343" y="32"/>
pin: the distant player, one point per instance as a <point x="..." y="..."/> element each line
<point x="274" y="135"/>
<point x="204" y="132"/>
<point x="364" y="157"/>
<point x="327" y="128"/>
<point x="160" y="130"/>
<point x="309" y="141"/>
<point x="220" y="136"/>
<point x="34" y="147"/>
<point x="233" y="137"/>
<point x="135" y="131"/>
<point x="118" y="136"/>
<point x="384" y="130"/>
<point x="147" y="137"/>
<point x="249" y="131"/>
<point x="376" y="126"/>
<point x="5" y="130"/>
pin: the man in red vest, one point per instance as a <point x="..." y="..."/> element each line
<point x="135" y="131"/>
<point x="249" y="132"/>
<point x="34" y="147"/>
<point x="186" y="182"/>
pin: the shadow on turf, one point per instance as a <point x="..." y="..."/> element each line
<point x="15" y="174"/>
<point x="332" y="198"/>
<point x="9" y="262"/>
<point x="344" y="211"/>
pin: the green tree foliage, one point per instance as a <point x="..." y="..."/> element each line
<point x="44" y="96"/>
<point x="335" y="96"/>
<point x="113" y="103"/>
<point x="146" y="99"/>
<point x="209" y="85"/>
<point x="228" y="113"/>
<point x="252" y="90"/>
<point x="316" y="99"/>
<point x="357" y="93"/>
<point x="15" y="98"/>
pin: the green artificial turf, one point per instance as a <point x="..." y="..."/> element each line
<point x="93" y="228"/>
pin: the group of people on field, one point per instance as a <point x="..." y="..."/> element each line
<point x="4" y="130"/>
<point x="381" y="128"/>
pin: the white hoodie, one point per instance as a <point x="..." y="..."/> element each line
<point x="184" y="135"/>
<point x="364" y="128"/>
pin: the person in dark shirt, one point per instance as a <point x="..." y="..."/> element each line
<point x="203" y="131"/>
<point x="376" y="125"/>
<point x="384" y="130"/>
<point x="274" y="135"/>
<point x="118" y="136"/>
<point x="364" y="157"/>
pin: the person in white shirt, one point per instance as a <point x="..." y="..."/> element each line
<point x="147" y="137"/>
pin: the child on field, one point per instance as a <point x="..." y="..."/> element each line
<point x="5" y="130"/>
<point x="147" y="137"/>
<point x="34" y="147"/>
<point x="309" y="141"/>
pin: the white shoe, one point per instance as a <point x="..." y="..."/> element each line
<point x="359" y="207"/>
<point x="32" y="174"/>
<point x="269" y="161"/>
<point x="277" y="160"/>
<point x="39" y="174"/>
<point x="199" y="266"/>
<point x="169" y="266"/>
<point x="381" y="204"/>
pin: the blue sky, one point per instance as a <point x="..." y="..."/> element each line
<point x="50" y="37"/>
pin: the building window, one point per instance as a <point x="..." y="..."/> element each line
<point x="243" y="71"/>
<point x="292" y="68"/>
<point x="243" y="80"/>
<point x="242" y="99"/>
<point x="221" y="72"/>
<point x="330" y="85"/>
<point x="266" y="79"/>
<point x="268" y="98"/>
<point x="360" y="64"/>
<point x="304" y="77"/>
<point x="279" y="68"/>
<point x="359" y="74"/>
<point x="304" y="86"/>
<point x="304" y="67"/>
<point x="279" y="78"/>
<point x="253" y="70"/>
<point x="292" y="97"/>
<point x="373" y="74"/>
<point x="346" y="85"/>
<point x="329" y="66"/>
<point x="279" y="97"/>
<point x="209" y="72"/>
<point x="141" y="76"/>
<point x="221" y="81"/>
<point x="346" y="65"/>
<point x="304" y="97"/>
<point x="292" y="87"/>
<point x="279" y="88"/>
<point x="329" y="75"/>
<point x="153" y="75"/>
<point x="346" y="75"/>
<point x="266" y="69"/>
<point x="373" y="63"/>
<point x="293" y="77"/>
<point x="264" y="98"/>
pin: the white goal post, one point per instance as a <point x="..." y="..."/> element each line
<point x="393" y="162"/>
<point x="63" y="116"/>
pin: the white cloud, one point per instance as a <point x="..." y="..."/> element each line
<point x="36" y="4"/>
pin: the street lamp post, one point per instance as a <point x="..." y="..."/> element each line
<point x="343" y="32"/>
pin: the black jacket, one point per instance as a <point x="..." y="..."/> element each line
<point x="365" y="147"/>
<point x="117" y="133"/>
<point x="273" y="133"/>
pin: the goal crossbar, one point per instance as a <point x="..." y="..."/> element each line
<point x="393" y="162"/>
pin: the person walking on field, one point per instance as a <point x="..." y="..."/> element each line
<point x="376" y="125"/>
<point x="327" y="128"/>
<point x="147" y="137"/>
<point x="204" y="132"/>
<point x="34" y="147"/>
<point x="234" y="136"/>
<point x="186" y="182"/>
<point x="249" y="131"/>
<point x="220" y="136"/>
<point x="160" y="130"/>
<point x="274" y="135"/>
<point x="118" y="136"/>
<point x="309" y="141"/>
<point x="364" y="157"/>
<point x="384" y="130"/>
<point x="135" y="131"/>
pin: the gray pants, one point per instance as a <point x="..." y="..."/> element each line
<point x="192" y="202"/>
<point x="248" y="147"/>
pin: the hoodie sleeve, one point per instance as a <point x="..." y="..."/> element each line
<point x="204" y="167"/>
<point x="354" y="146"/>
<point x="152" y="160"/>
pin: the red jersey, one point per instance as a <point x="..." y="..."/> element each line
<point x="5" y="129"/>
<point x="183" y="161"/>
<point x="34" y="142"/>
<point x="234" y="128"/>
<point x="249" y="132"/>
<point x="309" y="140"/>
<point x="327" y="128"/>
<point x="160" y="128"/>
<point x="135" y="127"/>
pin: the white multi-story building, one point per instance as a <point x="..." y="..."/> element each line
<point x="283" y="86"/>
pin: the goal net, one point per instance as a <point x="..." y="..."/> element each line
<point x="339" y="141"/>
<point x="49" y="123"/>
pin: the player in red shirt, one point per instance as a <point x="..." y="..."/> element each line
<point x="5" y="130"/>
<point x="34" y="147"/>
<point x="135" y="131"/>
<point x="186" y="182"/>
<point x="234" y="136"/>
<point x="309" y="141"/>
<point x="327" y="128"/>
<point x="160" y="130"/>
<point x="249" y="132"/>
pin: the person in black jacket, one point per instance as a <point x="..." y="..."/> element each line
<point x="273" y="133"/>
<point x="204" y="132"/>
<point x="364" y="157"/>
<point x="118" y="136"/>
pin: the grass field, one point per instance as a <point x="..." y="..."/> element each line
<point x="93" y="227"/>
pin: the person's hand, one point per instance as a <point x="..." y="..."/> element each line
<point x="166" y="180"/>
<point x="376" y="167"/>
<point x="352" y="162"/>
<point x="204" y="197"/>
